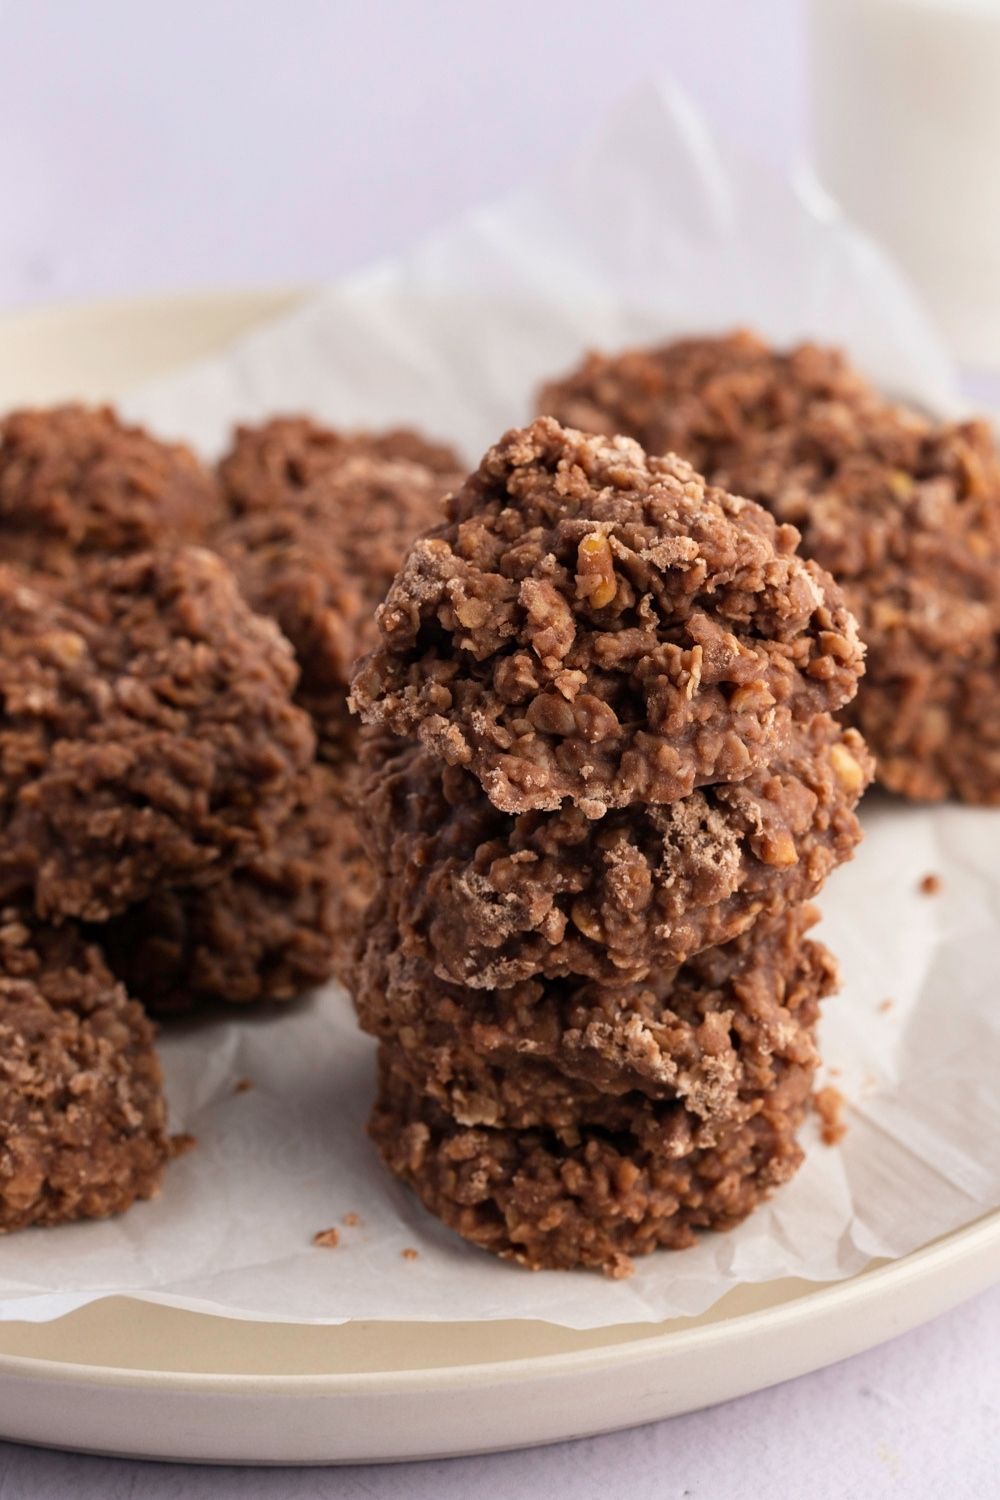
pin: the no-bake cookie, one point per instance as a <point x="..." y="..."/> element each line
<point x="527" y="1197"/>
<point x="600" y="779"/>
<point x="82" y="1117"/>
<point x="77" y="482"/>
<point x="594" y="625"/>
<point x="702" y="397"/>
<point x="147" y="732"/>
<point x="273" y="462"/>
<point x="490" y="898"/>
<point x="319" y="563"/>
<point x="902" y="510"/>
<point x="277" y="926"/>
<point x="560" y="1054"/>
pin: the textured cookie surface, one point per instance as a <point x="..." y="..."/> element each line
<point x="279" y="925"/>
<point x="82" y="1117"/>
<point x="490" y="898"/>
<point x="714" y="1035"/>
<point x="77" y="482"/>
<point x="903" y="511"/>
<point x="272" y="462"/>
<point x="147" y="732"/>
<point x="527" y="1197"/>
<point x="597" y="626"/>
<point x="320" y="559"/>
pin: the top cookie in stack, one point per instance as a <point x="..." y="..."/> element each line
<point x="596" y="626"/>
<point x="605" y="693"/>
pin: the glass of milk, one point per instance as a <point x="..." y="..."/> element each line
<point x="906" y="113"/>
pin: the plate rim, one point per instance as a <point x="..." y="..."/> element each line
<point x="949" y="1253"/>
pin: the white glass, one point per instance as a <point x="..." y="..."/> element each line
<point x="906" y="112"/>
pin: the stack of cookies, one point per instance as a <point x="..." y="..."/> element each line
<point x="603" y="782"/>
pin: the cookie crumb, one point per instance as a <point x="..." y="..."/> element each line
<point x="930" y="885"/>
<point x="828" y="1103"/>
<point x="327" y="1239"/>
<point x="620" y="1267"/>
<point x="886" y="1007"/>
<point x="410" y="1254"/>
<point x="352" y="1220"/>
<point x="242" y="1085"/>
<point x="182" y="1143"/>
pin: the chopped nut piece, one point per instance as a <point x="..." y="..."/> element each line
<point x="595" y="571"/>
<point x="695" y="656"/>
<point x="584" y="920"/>
<point x="778" y="848"/>
<point x="754" y="695"/>
<point x="327" y="1239"/>
<point x="473" y="613"/>
<point x="849" y="771"/>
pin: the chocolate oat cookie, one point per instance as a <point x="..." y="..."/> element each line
<point x="532" y="1095"/>
<point x="903" y="511"/>
<point x="907" y="515"/>
<point x="932" y="708"/>
<point x="596" y="626"/>
<point x="489" y="898"/>
<point x="147" y="733"/>
<point x="527" y="1196"/>
<point x="75" y="482"/>
<point x="701" y="397"/>
<point x="272" y="463"/>
<point x="277" y="926"/>
<point x="82" y="1117"/>
<point x="321" y="561"/>
<point x="714" y="1034"/>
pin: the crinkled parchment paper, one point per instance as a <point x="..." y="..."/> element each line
<point x="652" y="229"/>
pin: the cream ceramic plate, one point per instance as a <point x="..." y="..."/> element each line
<point x="132" y="1378"/>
